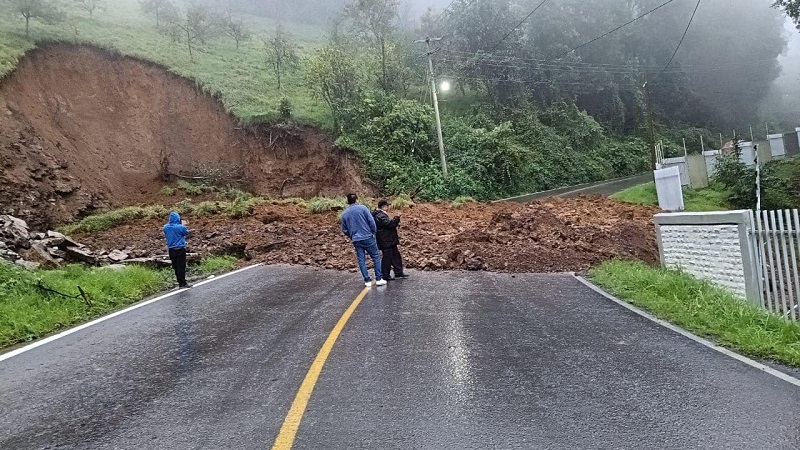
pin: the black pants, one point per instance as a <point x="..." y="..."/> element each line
<point x="391" y="259"/>
<point x="178" y="258"/>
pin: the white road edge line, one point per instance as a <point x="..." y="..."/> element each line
<point x="64" y="333"/>
<point x="755" y="364"/>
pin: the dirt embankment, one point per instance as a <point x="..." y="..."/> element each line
<point x="83" y="129"/>
<point x="551" y="235"/>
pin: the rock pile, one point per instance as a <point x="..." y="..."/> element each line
<point x="33" y="250"/>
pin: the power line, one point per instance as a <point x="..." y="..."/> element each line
<point x="444" y="11"/>
<point x="696" y="7"/>
<point x="518" y="25"/>
<point x="612" y="31"/>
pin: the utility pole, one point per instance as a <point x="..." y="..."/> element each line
<point x="650" y="123"/>
<point x="428" y="41"/>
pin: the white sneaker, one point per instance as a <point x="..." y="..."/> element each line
<point x="380" y="283"/>
<point x="368" y="284"/>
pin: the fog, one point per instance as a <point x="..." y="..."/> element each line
<point x="781" y="108"/>
<point x="732" y="67"/>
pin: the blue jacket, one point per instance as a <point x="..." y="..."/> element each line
<point x="175" y="232"/>
<point x="358" y="223"/>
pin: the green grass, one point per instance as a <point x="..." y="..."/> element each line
<point x="703" y="309"/>
<point x="27" y="313"/>
<point x="115" y="218"/>
<point x="712" y="198"/>
<point x="215" y="264"/>
<point x="241" y="77"/>
<point x="242" y="206"/>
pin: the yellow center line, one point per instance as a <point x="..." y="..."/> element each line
<point x="288" y="432"/>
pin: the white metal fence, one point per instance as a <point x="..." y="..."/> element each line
<point x="775" y="241"/>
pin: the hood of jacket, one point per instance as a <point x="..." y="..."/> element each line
<point x="174" y="218"/>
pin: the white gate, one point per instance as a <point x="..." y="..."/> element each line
<point x="775" y="243"/>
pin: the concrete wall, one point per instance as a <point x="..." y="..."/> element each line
<point x="698" y="173"/>
<point x="680" y="163"/>
<point x="710" y="246"/>
<point x="711" y="157"/>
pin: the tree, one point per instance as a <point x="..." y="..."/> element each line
<point x="333" y="76"/>
<point x="792" y="8"/>
<point x="196" y="24"/>
<point x="375" y="19"/>
<point x="236" y="29"/>
<point x="44" y="11"/>
<point x="156" y="9"/>
<point x="90" y="5"/>
<point x="281" y="53"/>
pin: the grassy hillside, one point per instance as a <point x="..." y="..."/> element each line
<point x="247" y="87"/>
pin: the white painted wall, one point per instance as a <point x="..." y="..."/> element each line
<point x="669" y="189"/>
<point x="710" y="252"/>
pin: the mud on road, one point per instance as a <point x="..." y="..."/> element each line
<point x="551" y="235"/>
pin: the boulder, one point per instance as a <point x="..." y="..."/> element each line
<point x="56" y="252"/>
<point x="30" y="265"/>
<point x="475" y="264"/>
<point x="41" y="254"/>
<point x="82" y="255"/>
<point x="118" y="256"/>
<point x="14" y="231"/>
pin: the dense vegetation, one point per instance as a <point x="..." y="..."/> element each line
<point x="527" y="112"/>
<point x="780" y="183"/>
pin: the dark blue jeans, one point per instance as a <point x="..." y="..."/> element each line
<point x="362" y="248"/>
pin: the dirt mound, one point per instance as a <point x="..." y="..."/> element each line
<point x="83" y="129"/>
<point x="547" y="236"/>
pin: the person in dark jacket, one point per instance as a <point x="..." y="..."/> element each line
<point x="388" y="240"/>
<point x="176" y="232"/>
<point x="359" y="225"/>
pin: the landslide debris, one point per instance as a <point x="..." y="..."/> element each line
<point x="552" y="235"/>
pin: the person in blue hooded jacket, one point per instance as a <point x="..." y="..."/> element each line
<point x="176" y="232"/>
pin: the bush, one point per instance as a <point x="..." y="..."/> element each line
<point x="289" y="201"/>
<point x="194" y="189"/>
<point x="461" y="201"/>
<point x="402" y="201"/>
<point x="285" y="108"/>
<point x="241" y="207"/>
<point x="168" y="191"/>
<point x="319" y="205"/>
<point x="232" y="193"/>
<point x="206" y="209"/>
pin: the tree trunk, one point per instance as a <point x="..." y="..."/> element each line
<point x="189" y="43"/>
<point x="27" y="26"/>
<point x="278" y="70"/>
<point x="383" y="65"/>
<point x="158" y="21"/>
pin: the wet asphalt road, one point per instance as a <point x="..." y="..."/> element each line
<point x="442" y="360"/>
<point x="604" y="188"/>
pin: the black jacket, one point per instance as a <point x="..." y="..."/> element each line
<point x="387" y="229"/>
